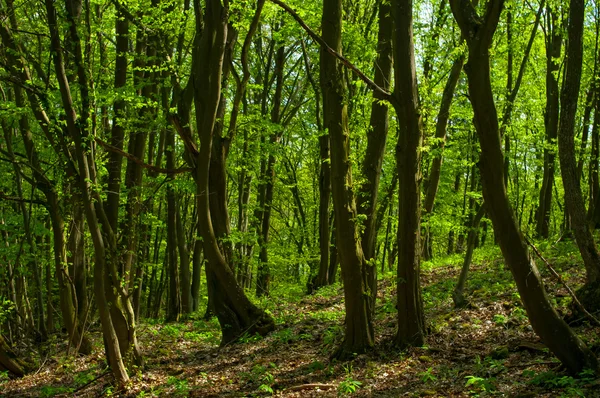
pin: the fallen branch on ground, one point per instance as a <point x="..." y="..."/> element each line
<point x="311" y="386"/>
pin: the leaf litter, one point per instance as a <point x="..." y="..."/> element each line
<point x="485" y="349"/>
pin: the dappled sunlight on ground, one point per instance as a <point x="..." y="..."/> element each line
<point x="487" y="348"/>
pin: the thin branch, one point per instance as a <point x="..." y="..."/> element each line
<point x="370" y="83"/>
<point x="183" y="134"/>
<point x="562" y="282"/>
<point x="140" y="162"/>
<point x="311" y="386"/>
<point x="22" y="200"/>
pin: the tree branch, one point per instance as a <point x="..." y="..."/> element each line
<point x="140" y="162"/>
<point x="370" y="83"/>
<point x="23" y="200"/>
<point x="562" y="282"/>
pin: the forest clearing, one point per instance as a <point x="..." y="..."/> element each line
<point x="300" y="197"/>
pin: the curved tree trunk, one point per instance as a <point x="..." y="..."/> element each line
<point x="458" y="294"/>
<point x="236" y="314"/>
<point x="553" y="331"/>
<point x="9" y="361"/>
<point x="435" y="171"/>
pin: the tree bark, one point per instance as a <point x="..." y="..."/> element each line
<point x="553" y="46"/>
<point x="376" y="141"/>
<point x="411" y="323"/>
<point x="458" y="294"/>
<point x="359" y="327"/>
<point x="553" y="331"/>
<point x="236" y="314"/>
<point x="566" y="146"/>
<point x="263" y="273"/>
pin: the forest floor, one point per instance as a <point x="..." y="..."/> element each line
<point x="487" y="349"/>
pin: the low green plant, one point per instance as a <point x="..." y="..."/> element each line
<point x="349" y="385"/>
<point x="552" y="380"/>
<point x="181" y="387"/>
<point x="247" y="338"/>
<point x="284" y="336"/>
<point x="267" y="382"/>
<point x="260" y="374"/>
<point x="315" y="366"/>
<point x="427" y="375"/>
<point x="83" y="378"/>
<point x="480" y="384"/>
<point x="52" y="391"/>
<point x="172" y="331"/>
<point x="332" y="334"/>
<point x="500" y="319"/>
<point x="4" y="376"/>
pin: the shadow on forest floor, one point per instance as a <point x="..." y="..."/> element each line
<point x="487" y="349"/>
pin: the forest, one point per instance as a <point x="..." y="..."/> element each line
<point x="299" y="198"/>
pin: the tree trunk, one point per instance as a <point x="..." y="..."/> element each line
<point x="324" y="199"/>
<point x="566" y="133"/>
<point x="359" y="327"/>
<point x="435" y="171"/>
<point x="197" y="261"/>
<point x="376" y="140"/>
<point x="105" y="270"/>
<point x="9" y="361"/>
<point x="236" y="314"/>
<point x="553" y="331"/>
<point x="458" y="294"/>
<point x="263" y="274"/>
<point x="174" y="294"/>
<point x="78" y="271"/>
<point x="553" y="46"/>
<point x="411" y="323"/>
<point x="184" y="267"/>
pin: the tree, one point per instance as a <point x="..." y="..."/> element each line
<point x="553" y="49"/>
<point x="359" y="328"/>
<point x="376" y="142"/>
<point x="236" y="314"/>
<point x="566" y="146"/>
<point x="411" y="323"/>
<point x="554" y="332"/>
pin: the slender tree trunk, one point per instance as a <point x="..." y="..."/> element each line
<point x="566" y="133"/>
<point x="411" y="323"/>
<point x="553" y="49"/>
<point x="105" y="245"/>
<point x="553" y="331"/>
<point x="458" y="294"/>
<point x="34" y="266"/>
<point x="367" y="201"/>
<point x="435" y="170"/>
<point x="263" y="274"/>
<point x="197" y="261"/>
<point x="174" y="292"/>
<point x="78" y="271"/>
<point x="184" y="267"/>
